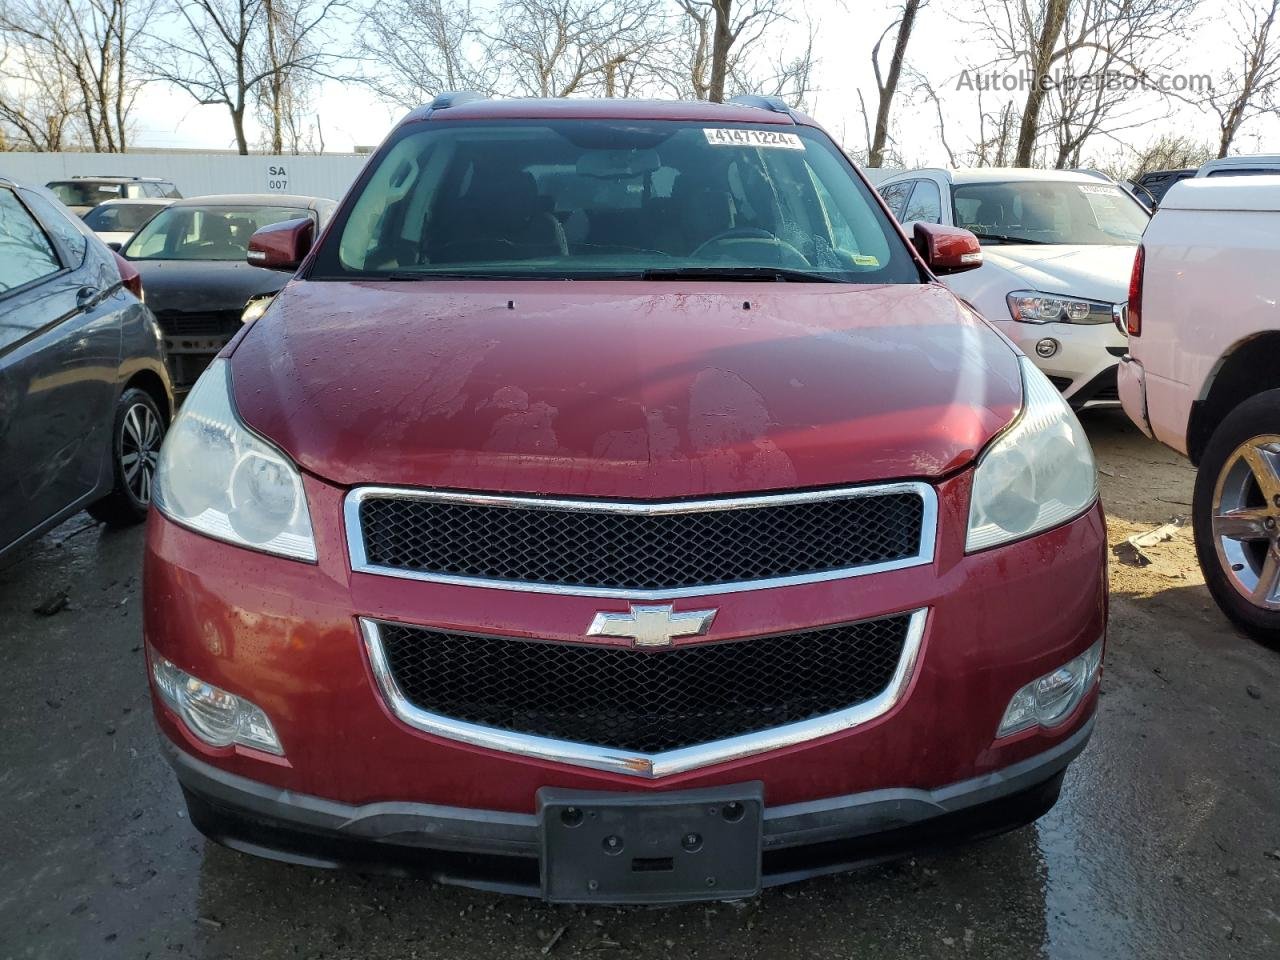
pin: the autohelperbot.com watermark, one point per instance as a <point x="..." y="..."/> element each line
<point x="997" y="81"/>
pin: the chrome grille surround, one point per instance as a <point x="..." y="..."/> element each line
<point x="637" y="764"/>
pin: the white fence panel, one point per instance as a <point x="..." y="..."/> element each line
<point x="197" y="174"/>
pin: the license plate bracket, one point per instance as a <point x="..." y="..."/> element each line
<point x="651" y="847"/>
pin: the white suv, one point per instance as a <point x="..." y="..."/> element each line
<point x="1251" y="165"/>
<point x="1057" y="252"/>
<point x="1203" y="376"/>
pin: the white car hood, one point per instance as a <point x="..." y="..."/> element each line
<point x="1096" y="272"/>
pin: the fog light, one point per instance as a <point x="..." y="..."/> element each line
<point x="1047" y="701"/>
<point x="215" y="716"/>
<point x="1046" y="348"/>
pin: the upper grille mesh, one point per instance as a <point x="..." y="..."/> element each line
<point x="627" y="551"/>
<point x="644" y="700"/>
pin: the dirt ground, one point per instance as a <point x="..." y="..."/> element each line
<point x="1166" y="842"/>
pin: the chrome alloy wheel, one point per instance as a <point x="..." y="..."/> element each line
<point x="141" y="434"/>
<point x="1246" y="520"/>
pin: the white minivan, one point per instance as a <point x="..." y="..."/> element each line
<point x="1203" y="376"/>
<point x="1057" y="252"/>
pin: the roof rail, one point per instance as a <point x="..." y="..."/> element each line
<point x="455" y="98"/>
<point x="761" y="102"/>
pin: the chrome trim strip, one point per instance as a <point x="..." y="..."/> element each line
<point x="360" y="561"/>
<point x="647" y="766"/>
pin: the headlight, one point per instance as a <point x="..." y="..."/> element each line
<point x="256" y="308"/>
<point x="1038" y="474"/>
<point x="215" y="716"/>
<point x="1032" y="306"/>
<point x="219" y="479"/>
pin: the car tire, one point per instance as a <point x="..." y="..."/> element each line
<point x="1236" y="516"/>
<point x="136" y="432"/>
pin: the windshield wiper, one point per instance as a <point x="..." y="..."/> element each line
<point x="1001" y="238"/>
<point x="766" y="274"/>
<point x="443" y="275"/>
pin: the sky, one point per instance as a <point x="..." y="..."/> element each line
<point x="846" y="30"/>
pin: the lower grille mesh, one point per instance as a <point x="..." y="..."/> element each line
<point x="646" y="701"/>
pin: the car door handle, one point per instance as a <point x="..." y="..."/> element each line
<point x="85" y="297"/>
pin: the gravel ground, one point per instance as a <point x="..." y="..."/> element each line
<point x="1166" y="842"/>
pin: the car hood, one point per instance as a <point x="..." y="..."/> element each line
<point x="1092" y="271"/>
<point x="204" y="286"/>
<point x="623" y="389"/>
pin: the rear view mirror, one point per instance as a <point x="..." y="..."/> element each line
<point x="282" y="246"/>
<point x="617" y="164"/>
<point x="947" y="249"/>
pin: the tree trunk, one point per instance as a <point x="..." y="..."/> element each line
<point x="276" y="82"/>
<point x="721" y="41"/>
<point x="875" y="157"/>
<point x="237" y="123"/>
<point x="1055" y="16"/>
<point x="122" y="51"/>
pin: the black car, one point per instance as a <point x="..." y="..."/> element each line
<point x="192" y="260"/>
<point x="1158" y="182"/>
<point x="82" y="194"/>
<point x="84" y="394"/>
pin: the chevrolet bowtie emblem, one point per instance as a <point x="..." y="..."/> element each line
<point x="651" y="626"/>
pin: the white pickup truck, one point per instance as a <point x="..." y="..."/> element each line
<point x="1203" y="376"/>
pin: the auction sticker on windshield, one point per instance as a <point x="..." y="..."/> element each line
<point x="729" y="137"/>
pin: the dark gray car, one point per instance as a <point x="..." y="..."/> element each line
<point x="84" y="394"/>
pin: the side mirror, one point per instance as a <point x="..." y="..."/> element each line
<point x="282" y="246"/>
<point x="947" y="249"/>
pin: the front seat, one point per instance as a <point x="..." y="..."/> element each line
<point x="216" y="240"/>
<point x="700" y="204"/>
<point x="501" y="217"/>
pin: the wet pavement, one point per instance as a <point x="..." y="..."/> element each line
<point x="1166" y="842"/>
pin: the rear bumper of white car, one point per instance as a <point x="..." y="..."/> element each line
<point x="1132" y="382"/>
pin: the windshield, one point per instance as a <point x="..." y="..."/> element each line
<point x="1039" y="211"/>
<point x="613" y="199"/>
<point x="204" y="233"/>
<point x="83" y="193"/>
<point x="120" y="217"/>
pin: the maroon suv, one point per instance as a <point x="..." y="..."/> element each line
<point x="615" y="507"/>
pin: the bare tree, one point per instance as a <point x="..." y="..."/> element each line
<point x="887" y="83"/>
<point x="789" y="75"/>
<point x="997" y="141"/>
<point x="419" y="48"/>
<point x="283" y="98"/>
<point x="1108" y="54"/>
<point x="717" y="32"/>
<point x="37" y="104"/>
<point x="74" y="59"/>
<point x="221" y="51"/>
<point x="1099" y="39"/>
<point x="556" y="48"/>
<point x="1166" y="152"/>
<point x="924" y="87"/>
<point x="1248" y="89"/>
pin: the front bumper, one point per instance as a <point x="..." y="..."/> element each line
<point x="1083" y="364"/>
<point x="286" y="636"/>
<point x="498" y="850"/>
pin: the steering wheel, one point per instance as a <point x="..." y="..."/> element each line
<point x="737" y="236"/>
<point x="735" y="233"/>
